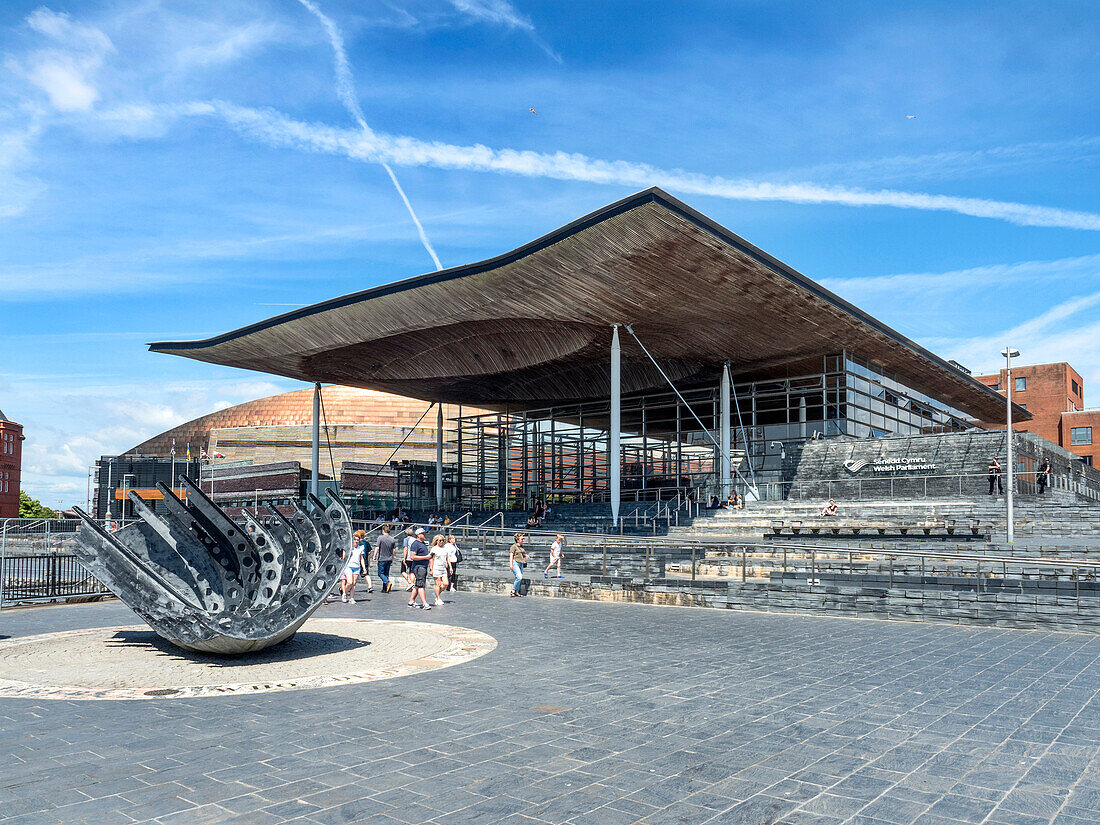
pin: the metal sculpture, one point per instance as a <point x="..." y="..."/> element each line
<point x="205" y="583"/>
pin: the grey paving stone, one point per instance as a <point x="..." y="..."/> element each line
<point x="670" y="715"/>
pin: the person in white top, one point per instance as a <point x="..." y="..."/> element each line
<point x="555" y="557"/>
<point x="441" y="565"/>
<point x="355" y="563"/>
<point x="453" y="556"/>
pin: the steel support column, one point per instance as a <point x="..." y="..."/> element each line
<point x="439" y="456"/>
<point x="315" y="444"/>
<point x="724" y="429"/>
<point x="614" y="464"/>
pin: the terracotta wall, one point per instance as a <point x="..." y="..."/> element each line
<point x="11" y="460"/>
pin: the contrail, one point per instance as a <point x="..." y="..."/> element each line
<point x="345" y="89"/>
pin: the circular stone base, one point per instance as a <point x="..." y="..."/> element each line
<point x="135" y="663"/>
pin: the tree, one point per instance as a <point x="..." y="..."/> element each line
<point x="33" y="508"/>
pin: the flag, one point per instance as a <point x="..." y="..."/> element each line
<point x="173" y="446"/>
<point x="202" y="454"/>
<point x="218" y="455"/>
<point x="188" y="450"/>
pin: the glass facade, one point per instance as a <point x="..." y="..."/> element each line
<point x="669" y="443"/>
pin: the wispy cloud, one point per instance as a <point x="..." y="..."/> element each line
<point x="277" y="129"/>
<point x="18" y="189"/>
<point x="980" y="277"/>
<point x="345" y="89"/>
<point x="946" y="165"/>
<point x="66" y="69"/>
<point x="503" y="13"/>
<point x="1055" y="334"/>
<point x="222" y="46"/>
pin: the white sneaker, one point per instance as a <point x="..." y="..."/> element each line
<point x="343" y="598"/>
<point x="438" y="602"/>
<point x="351" y="601"/>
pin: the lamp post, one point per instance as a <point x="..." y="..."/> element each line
<point x="125" y="487"/>
<point x="1009" y="353"/>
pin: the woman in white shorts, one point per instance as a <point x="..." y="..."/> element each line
<point x="355" y="564"/>
<point x="555" y="557"/>
<point x="441" y="565"/>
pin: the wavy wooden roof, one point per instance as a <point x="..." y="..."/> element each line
<point x="530" y="328"/>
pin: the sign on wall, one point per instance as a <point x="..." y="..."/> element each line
<point x="889" y="465"/>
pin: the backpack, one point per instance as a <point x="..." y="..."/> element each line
<point x="458" y="555"/>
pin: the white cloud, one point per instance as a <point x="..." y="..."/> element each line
<point x="503" y="13"/>
<point x="62" y="444"/>
<point x="65" y="70"/>
<point x="978" y="277"/>
<point x="221" y="46"/>
<point x="277" y="129"/>
<point x="1057" y="334"/>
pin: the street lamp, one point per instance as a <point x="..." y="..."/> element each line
<point x="1009" y="353"/>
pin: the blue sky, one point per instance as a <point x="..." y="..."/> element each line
<point x="176" y="169"/>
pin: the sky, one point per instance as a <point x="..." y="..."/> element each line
<point x="172" y="170"/>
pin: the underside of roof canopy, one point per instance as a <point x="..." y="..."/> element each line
<point x="531" y="328"/>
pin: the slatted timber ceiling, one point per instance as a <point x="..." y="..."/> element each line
<point x="530" y="328"/>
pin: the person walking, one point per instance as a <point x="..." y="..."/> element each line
<point x="455" y="556"/>
<point x="555" y="557"/>
<point x="419" y="556"/>
<point x="364" y="559"/>
<point x="517" y="561"/>
<point x="353" y="567"/>
<point x="406" y="568"/>
<point x="383" y="556"/>
<point x="995" y="475"/>
<point x="1044" y="476"/>
<point x="441" y="566"/>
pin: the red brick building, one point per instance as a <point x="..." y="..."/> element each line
<point x="11" y="459"/>
<point x="1055" y="395"/>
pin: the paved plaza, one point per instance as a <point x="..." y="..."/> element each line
<point x="593" y="713"/>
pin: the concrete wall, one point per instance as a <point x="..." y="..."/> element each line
<point x="939" y="465"/>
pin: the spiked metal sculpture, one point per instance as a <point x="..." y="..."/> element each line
<point x="205" y="583"/>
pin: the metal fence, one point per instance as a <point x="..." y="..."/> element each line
<point x="37" y="562"/>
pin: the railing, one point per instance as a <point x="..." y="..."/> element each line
<point x="974" y="566"/>
<point x="913" y="485"/>
<point x="44" y="577"/>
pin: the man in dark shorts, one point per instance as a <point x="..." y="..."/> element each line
<point x="383" y="554"/>
<point x="419" y="556"/>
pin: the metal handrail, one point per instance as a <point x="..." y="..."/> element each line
<point x="772" y="490"/>
<point x="491" y="518"/>
<point x="930" y="554"/>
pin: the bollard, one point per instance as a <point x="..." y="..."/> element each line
<point x="605" y="559"/>
<point x="693" y="564"/>
<point x="744" y="553"/>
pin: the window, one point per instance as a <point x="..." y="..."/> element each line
<point x="1021" y="384"/>
<point x="1076" y="389"/>
<point x="1080" y="435"/>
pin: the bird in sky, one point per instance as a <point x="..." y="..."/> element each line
<point x="532" y="111"/>
<point x="910" y="117"/>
